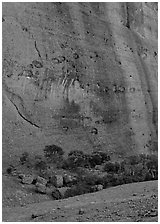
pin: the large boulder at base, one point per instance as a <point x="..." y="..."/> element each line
<point x="50" y="189"/>
<point x="26" y="179"/>
<point x="41" y="180"/>
<point x="41" y="188"/>
<point x="62" y="191"/>
<point x="56" y="180"/>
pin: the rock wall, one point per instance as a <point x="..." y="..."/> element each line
<point x="80" y="75"/>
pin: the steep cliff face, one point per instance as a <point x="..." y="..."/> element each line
<point x="80" y="75"/>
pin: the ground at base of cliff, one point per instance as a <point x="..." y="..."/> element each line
<point x="136" y="202"/>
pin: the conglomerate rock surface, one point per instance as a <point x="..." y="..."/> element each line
<point x="80" y="75"/>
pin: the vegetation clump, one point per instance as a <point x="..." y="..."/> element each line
<point x="135" y="168"/>
<point x="53" y="153"/>
<point x="78" y="158"/>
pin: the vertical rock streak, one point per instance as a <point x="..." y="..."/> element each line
<point x="136" y="99"/>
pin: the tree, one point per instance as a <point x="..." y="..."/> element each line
<point x="76" y="153"/>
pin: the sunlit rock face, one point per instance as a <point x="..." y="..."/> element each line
<point x="80" y="75"/>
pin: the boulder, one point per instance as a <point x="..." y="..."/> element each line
<point x="99" y="167"/>
<point x="99" y="187"/>
<point x="56" y="180"/>
<point x="41" y="188"/>
<point x="50" y="189"/>
<point x="26" y="179"/>
<point x="62" y="191"/>
<point x="68" y="179"/>
<point x="41" y="180"/>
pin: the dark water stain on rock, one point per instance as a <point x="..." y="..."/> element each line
<point x="110" y="116"/>
<point x="71" y="107"/>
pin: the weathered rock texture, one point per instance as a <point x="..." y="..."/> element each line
<point x="80" y="75"/>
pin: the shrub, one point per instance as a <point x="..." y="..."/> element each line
<point x="97" y="158"/>
<point x="76" y="159"/>
<point x="53" y="153"/>
<point x="107" y="180"/>
<point x="132" y="169"/>
<point x="134" y="159"/>
<point x="91" y="179"/>
<point x="79" y="189"/>
<point x="114" y="181"/>
<point x="143" y="157"/>
<point x="86" y="162"/>
<point x="76" y="153"/>
<point x="127" y="179"/>
<point x="41" y="165"/>
<point x="148" y="176"/>
<point x="152" y="162"/>
<point x="119" y="179"/>
<point x="112" y="167"/>
<point x="117" y="167"/>
<point x="128" y="170"/>
<point x="70" y="163"/>
<point x="67" y="164"/>
<point x="10" y="169"/>
<point x="104" y="156"/>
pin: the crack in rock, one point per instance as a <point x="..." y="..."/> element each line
<point x="11" y="99"/>
<point x="23" y="116"/>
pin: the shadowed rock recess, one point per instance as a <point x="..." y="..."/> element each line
<point x="81" y="76"/>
